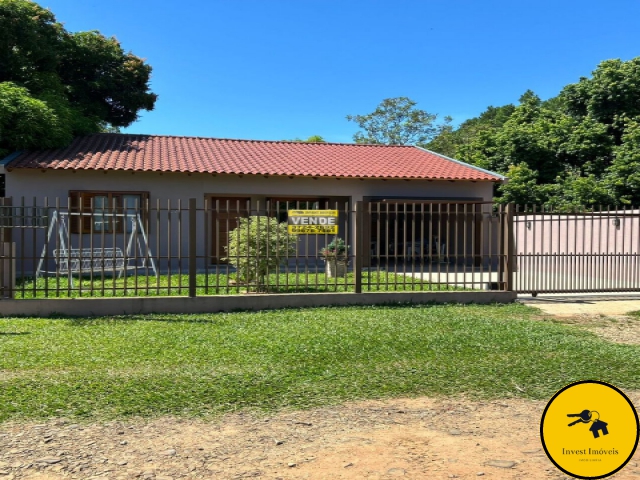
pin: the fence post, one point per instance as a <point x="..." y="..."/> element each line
<point x="5" y="219"/>
<point x="357" y="268"/>
<point x="7" y="251"/>
<point x="192" y="247"/>
<point x="7" y="269"/>
<point x="509" y="248"/>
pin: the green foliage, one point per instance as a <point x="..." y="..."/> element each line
<point x="335" y="249"/>
<point x="311" y="139"/>
<point x="107" y="83"/>
<point x="577" y="149"/>
<point x="29" y="39"/>
<point x="450" y="140"/>
<point x="396" y="121"/>
<point x="573" y="191"/>
<point x="523" y="187"/>
<point x="546" y="140"/>
<point x="609" y="96"/>
<point x="69" y="83"/>
<point x="258" y="246"/>
<point x="623" y="175"/>
<point x="26" y="122"/>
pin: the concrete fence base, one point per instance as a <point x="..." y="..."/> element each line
<point x="139" y="305"/>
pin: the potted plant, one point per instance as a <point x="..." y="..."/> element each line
<point x="336" y="257"/>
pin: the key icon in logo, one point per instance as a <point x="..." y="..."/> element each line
<point x="590" y="416"/>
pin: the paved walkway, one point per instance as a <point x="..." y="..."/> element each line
<point x="577" y="304"/>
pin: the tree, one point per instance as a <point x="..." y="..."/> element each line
<point x="609" y="96"/>
<point x="544" y="151"/>
<point x="396" y="121"/>
<point x="623" y="175"/>
<point x="522" y="187"/>
<point x="69" y="83"/>
<point x="449" y="141"/>
<point x="26" y="121"/>
<point x="580" y="148"/>
<point x="574" y="190"/>
<point x="311" y="139"/>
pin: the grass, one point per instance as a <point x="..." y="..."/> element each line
<point x="201" y="365"/>
<point x="217" y="284"/>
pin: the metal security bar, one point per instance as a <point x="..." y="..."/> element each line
<point x="66" y="248"/>
<point x="585" y="250"/>
<point x="437" y="245"/>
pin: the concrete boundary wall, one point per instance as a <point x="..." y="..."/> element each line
<point x="140" y="305"/>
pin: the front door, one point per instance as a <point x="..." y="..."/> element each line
<point x="225" y="212"/>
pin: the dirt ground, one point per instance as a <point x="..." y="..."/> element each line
<point x="568" y="305"/>
<point x="420" y="438"/>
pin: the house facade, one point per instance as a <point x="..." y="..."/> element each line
<point x="105" y="173"/>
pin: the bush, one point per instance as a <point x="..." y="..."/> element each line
<point x="258" y="246"/>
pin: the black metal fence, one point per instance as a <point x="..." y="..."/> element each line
<point x="63" y="248"/>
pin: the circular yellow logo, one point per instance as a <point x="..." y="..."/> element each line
<point x="589" y="429"/>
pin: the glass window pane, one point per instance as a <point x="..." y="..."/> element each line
<point x="100" y="207"/>
<point x="131" y="206"/>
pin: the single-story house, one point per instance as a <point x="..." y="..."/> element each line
<point x="97" y="171"/>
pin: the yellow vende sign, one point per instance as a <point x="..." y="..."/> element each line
<point x="590" y="429"/>
<point x="313" y="222"/>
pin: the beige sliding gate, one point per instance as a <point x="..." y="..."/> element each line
<point x="581" y="251"/>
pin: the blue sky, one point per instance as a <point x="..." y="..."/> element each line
<point x="281" y="69"/>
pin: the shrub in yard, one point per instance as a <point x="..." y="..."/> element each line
<point x="258" y="246"/>
<point x="336" y="257"/>
<point x="336" y="250"/>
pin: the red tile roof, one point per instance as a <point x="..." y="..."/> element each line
<point x="153" y="153"/>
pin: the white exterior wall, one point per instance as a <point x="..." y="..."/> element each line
<point x="52" y="184"/>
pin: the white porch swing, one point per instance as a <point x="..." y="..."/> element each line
<point x="78" y="261"/>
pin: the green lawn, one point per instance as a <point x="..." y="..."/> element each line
<point x="220" y="284"/>
<point x="212" y="363"/>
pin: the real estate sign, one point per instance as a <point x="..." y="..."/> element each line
<point x="313" y="222"/>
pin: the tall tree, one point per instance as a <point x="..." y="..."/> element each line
<point x="396" y="121"/>
<point x="56" y="84"/>
<point x="578" y="148"/>
<point x="610" y="96"/>
<point x="449" y="140"/>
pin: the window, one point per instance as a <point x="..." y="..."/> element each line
<point x="279" y="206"/>
<point x="2" y="184"/>
<point x="105" y="212"/>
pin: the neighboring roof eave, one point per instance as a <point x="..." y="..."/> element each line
<point x="489" y="172"/>
<point x="9" y="158"/>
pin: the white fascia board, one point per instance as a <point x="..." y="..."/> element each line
<point x="502" y="177"/>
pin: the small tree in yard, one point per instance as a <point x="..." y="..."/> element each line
<point x="259" y="245"/>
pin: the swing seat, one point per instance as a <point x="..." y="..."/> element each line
<point x="104" y="260"/>
<point x="88" y="260"/>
